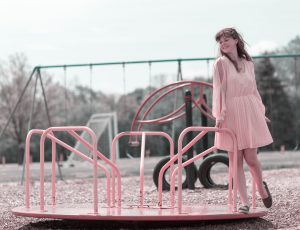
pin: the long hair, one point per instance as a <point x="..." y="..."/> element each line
<point x="242" y="53"/>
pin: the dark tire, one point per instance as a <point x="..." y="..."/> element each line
<point x="165" y="182"/>
<point x="204" y="172"/>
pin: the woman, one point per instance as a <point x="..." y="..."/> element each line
<point x="237" y="105"/>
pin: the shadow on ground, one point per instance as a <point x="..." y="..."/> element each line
<point x="75" y="224"/>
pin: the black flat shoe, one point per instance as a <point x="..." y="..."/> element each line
<point x="244" y="209"/>
<point x="267" y="201"/>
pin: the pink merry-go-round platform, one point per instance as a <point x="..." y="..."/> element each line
<point x="117" y="209"/>
<point x="129" y="213"/>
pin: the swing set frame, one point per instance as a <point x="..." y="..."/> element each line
<point x="37" y="72"/>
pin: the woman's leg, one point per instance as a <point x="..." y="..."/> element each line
<point x="241" y="180"/>
<point x="254" y="166"/>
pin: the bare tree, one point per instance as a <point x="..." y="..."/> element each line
<point x="13" y="77"/>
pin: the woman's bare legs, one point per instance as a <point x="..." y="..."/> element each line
<point x="241" y="180"/>
<point x="254" y="166"/>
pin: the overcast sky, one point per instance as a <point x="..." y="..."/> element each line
<point x="85" y="31"/>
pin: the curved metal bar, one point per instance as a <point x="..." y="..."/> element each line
<point x="199" y="156"/>
<point x="148" y="133"/>
<point x="53" y="176"/>
<point x="100" y="155"/>
<point x="203" y="102"/>
<point x="165" y="118"/>
<point x="84" y="157"/>
<point x="157" y="91"/>
<point x="27" y="164"/>
<point x="178" y="116"/>
<point x="185" y="149"/>
<point x="203" y="111"/>
<point x="206" y="106"/>
<point x="172" y="160"/>
<point x="42" y="149"/>
<point x="54" y="141"/>
<point x="142" y="162"/>
<point x="157" y="100"/>
<point x="137" y="113"/>
<point x="232" y="165"/>
<point x="168" y="117"/>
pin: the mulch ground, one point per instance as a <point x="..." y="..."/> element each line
<point x="284" y="185"/>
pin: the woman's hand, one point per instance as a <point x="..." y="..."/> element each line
<point x="219" y="123"/>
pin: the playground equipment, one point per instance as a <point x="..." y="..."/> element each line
<point x="117" y="209"/>
<point x="194" y="98"/>
<point x="99" y="123"/>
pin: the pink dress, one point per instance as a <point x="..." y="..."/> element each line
<point x="242" y="110"/>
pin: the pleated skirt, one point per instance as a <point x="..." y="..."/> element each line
<point x="245" y="118"/>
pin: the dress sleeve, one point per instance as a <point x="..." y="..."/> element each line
<point x="257" y="95"/>
<point x="219" y="91"/>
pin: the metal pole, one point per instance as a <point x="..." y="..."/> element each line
<point x="48" y="117"/>
<point x="179" y="74"/>
<point x="124" y="87"/>
<point x="189" y="137"/>
<point x="66" y="96"/>
<point x="44" y="96"/>
<point x="204" y="124"/>
<point x="150" y="77"/>
<point x="29" y="126"/>
<point x="178" y="78"/>
<point x="91" y="89"/>
<point x="18" y="102"/>
<point x="160" y="61"/>
<point x="296" y="107"/>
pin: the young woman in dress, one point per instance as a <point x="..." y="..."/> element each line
<point x="237" y="105"/>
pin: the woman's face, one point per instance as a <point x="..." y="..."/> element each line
<point x="227" y="44"/>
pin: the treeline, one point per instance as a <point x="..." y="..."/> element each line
<point x="277" y="80"/>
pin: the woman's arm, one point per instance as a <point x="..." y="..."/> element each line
<point x="219" y="91"/>
<point x="256" y="93"/>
